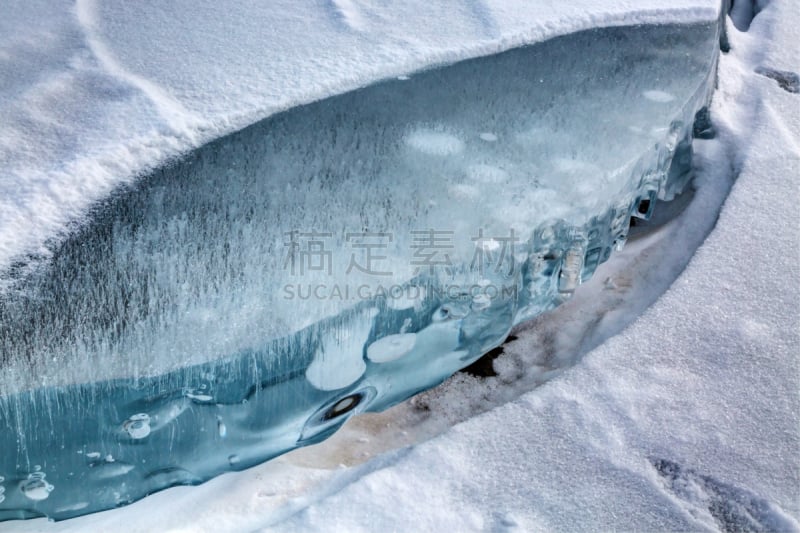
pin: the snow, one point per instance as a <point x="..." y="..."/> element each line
<point x="96" y="93"/>
<point x="686" y="420"/>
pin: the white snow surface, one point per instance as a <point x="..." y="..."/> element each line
<point x="92" y="94"/>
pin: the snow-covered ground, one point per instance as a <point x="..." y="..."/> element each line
<point x="688" y="419"/>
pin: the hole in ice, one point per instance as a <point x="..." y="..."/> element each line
<point x="343" y="406"/>
<point x="331" y="416"/>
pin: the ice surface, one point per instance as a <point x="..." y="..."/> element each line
<point x="178" y="288"/>
<point x="93" y="93"/>
<point x="262" y="234"/>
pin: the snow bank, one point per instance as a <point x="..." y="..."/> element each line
<point x="96" y="93"/>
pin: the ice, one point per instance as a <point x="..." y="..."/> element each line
<point x="391" y="347"/>
<point x="338" y="361"/>
<point x="166" y="281"/>
<point x="138" y="426"/>
<point x="434" y="142"/>
<point x="96" y="93"/>
<point x="223" y="288"/>
<point x="36" y="487"/>
<point x="658" y="96"/>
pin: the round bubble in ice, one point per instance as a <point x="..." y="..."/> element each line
<point x="137" y="426"/>
<point x="434" y="142"/>
<point x="36" y="488"/>
<point x="391" y="347"/>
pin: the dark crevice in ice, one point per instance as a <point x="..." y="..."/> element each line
<point x="484" y="367"/>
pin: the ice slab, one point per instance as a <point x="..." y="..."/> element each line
<point x="94" y="93"/>
<point x="192" y="328"/>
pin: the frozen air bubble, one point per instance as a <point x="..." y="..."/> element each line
<point x="339" y="361"/>
<point x="481" y="301"/>
<point x="222" y="430"/>
<point x="449" y="311"/>
<point x="331" y="415"/>
<point x="233" y="460"/>
<point x="36" y="488"/>
<point x="572" y="166"/>
<point x="435" y="142"/>
<point x="487" y="244"/>
<point x="658" y="96"/>
<point x="137" y="426"/>
<point x="93" y="455"/>
<point x="462" y="191"/>
<point x="391" y="347"/>
<point x="488" y="137"/>
<point x="343" y="406"/>
<point x="202" y="398"/>
<point x="111" y="469"/>
<point x="487" y="174"/>
<point x="73" y="507"/>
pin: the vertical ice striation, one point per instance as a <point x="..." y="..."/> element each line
<point x="337" y="257"/>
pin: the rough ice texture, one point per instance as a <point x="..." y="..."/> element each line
<point x="95" y="93"/>
<point x="686" y="421"/>
<point x="701" y="393"/>
<point x="395" y="157"/>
